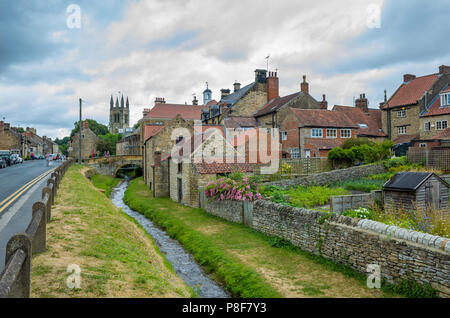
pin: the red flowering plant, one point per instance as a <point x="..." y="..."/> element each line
<point x="234" y="187"/>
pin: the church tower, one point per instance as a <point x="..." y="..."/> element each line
<point x="119" y="115"/>
<point x="207" y="95"/>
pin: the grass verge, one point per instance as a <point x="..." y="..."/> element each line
<point x="105" y="183"/>
<point x="117" y="258"/>
<point x="250" y="264"/>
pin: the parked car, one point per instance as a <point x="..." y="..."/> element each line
<point x="15" y="158"/>
<point x="5" y="154"/>
<point x="2" y="163"/>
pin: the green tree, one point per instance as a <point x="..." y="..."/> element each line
<point x="108" y="142"/>
<point x="97" y="128"/>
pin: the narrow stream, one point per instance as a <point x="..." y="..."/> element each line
<point x="182" y="262"/>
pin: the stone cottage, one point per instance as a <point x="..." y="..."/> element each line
<point x="88" y="143"/>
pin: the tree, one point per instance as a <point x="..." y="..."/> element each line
<point x="97" y="128"/>
<point x="108" y="143"/>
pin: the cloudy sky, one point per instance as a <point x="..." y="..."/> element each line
<point x="170" y="48"/>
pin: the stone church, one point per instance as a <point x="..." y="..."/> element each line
<point x="119" y="116"/>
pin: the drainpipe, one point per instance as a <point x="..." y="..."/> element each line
<point x="168" y="173"/>
<point x="389" y="124"/>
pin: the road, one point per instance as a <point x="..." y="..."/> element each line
<point x="20" y="186"/>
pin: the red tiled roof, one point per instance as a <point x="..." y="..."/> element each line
<point x="405" y="138"/>
<point x="151" y="130"/>
<point x="170" y="111"/>
<point x="322" y="143"/>
<point x="211" y="103"/>
<point x="276" y="104"/>
<point x="211" y="168"/>
<point x="409" y="93"/>
<point x="435" y="108"/>
<point x="206" y="129"/>
<point x="372" y="120"/>
<point x="323" y="118"/>
<point x="443" y="135"/>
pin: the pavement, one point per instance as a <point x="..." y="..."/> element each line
<point x="20" y="187"/>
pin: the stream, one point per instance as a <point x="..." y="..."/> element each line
<point x="182" y="262"/>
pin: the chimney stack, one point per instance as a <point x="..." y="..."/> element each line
<point x="160" y="100"/>
<point x="408" y="77"/>
<point x="145" y="112"/>
<point x="237" y="86"/>
<point x="195" y="101"/>
<point x="444" y="69"/>
<point x="85" y="124"/>
<point x="272" y="86"/>
<point x="362" y="103"/>
<point x="224" y="92"/>
<point x="157" y="158"/>
<point x="304" y="87"/>
<point x="1" y="125"/>
<point x="6" y="126"/>
<point x="260" y="76"/>
<point x="324" y="103"/>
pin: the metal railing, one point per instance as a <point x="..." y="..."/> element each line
<point x="15" y="280"/>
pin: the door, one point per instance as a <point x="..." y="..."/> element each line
<point x="435" y="195"/>
<point x="180" y="190"/>
<point x="308" y="153"/>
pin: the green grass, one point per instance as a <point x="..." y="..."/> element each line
<point x="248" y="263"/>
<point x="301" y="197"/>
<point x="105" y="183"/>
<point x="366" y="184"/>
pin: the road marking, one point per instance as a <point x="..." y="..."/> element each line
<point x="13" y="197"/>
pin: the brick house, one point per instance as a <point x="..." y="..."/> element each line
<point x="88" y="144"/>
<point x="275" y="110"/>
<point x="10" y="138"/>
<point x="314" y="132"/>
<point x="243" y="102"/>
<point x="402" y="114"/>
<point x="162" y="113"/>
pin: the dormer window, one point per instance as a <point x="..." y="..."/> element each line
<point x="445" y="100"/>
<point x="362" y="125"/>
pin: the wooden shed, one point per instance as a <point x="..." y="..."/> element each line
<point x="411" y="190"/>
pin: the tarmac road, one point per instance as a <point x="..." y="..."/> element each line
<point x="20" y="187"/>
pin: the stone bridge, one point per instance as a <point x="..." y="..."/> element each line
<point x="110" y="166"/>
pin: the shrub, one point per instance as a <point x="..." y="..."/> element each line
<point x="356" y="142"/>
<point x="396" y="162"/>
<point x="359" y="150"/>
<point x="229" y="189"/>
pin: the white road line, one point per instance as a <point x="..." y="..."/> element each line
<point x="13" y="209"/>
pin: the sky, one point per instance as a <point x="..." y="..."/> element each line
<point x="171" y="48"/>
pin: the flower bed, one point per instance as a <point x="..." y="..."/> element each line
<point x="242" y="189"/>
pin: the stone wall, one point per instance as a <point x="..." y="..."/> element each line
<point x="356" y="243"/>
<point x="329" y="177"/>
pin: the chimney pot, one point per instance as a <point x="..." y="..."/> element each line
<point x="304" y="87"/>
<point x="408" y="77"/>
<point x="237" y="86"/>
<point x="273" y="87"/>
<point x="444" y="69"/>
<point x="324" y="103"/>
<point x="362" y="103"/>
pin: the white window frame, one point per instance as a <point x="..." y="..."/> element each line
<point x="401" y="131"/>
<point x="334" y="130"/>
<point x="445" y="100"/>
<point x="344" y="133"/>
<point x="401" y="113"/>
<point x="422" y="145"/>
<point x="284" y="135"/>
<point x="318" y="135"/>
<point x="295" y="153"/>
<point x="425" y="126"/>
<point x="440" y="124"/>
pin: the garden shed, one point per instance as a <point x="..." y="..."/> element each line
<point x="411" y="190"/>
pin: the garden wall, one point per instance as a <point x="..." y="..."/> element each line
<point x="341" y="203"/>
<point x="400" y="253"/>
<point x="329" y="177"/>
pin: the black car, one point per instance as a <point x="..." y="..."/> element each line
<point x="6" y="158"/>
<point x="2" y="163"/>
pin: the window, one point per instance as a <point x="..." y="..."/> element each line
<point x="284" y="135"/>
<point x="441" y="125"/>
<point x="331" y="133"/>
<point x="445" y="100"/>
<point x="179" y="139"/>
<point x="180" y="167"/>
<point x="363" y="126"/>
<point x="427" y="126"/>
<point x="401" y="113"/>
<point x="401" y="130"/>
<point x="316" y="133"/>
<point x="346" y="133"/>
<point x="423" y="145"/>
<point x="295" y="153"/>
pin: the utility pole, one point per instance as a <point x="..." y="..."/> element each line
<point x="79" y="146"/>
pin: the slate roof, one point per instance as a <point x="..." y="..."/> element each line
<point x="323" y="118"/>
<point x="408" y="181"/>
<point x="239" y="122"/>
<point x="409" y="93"/>
<point x="275" y="104"/>
<point x="434" y="108"/>
<point x="170" y="111"/>
<point x="405" y="138"/>
<point x="372" y="120"/>
<point x="234" y="97"/>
